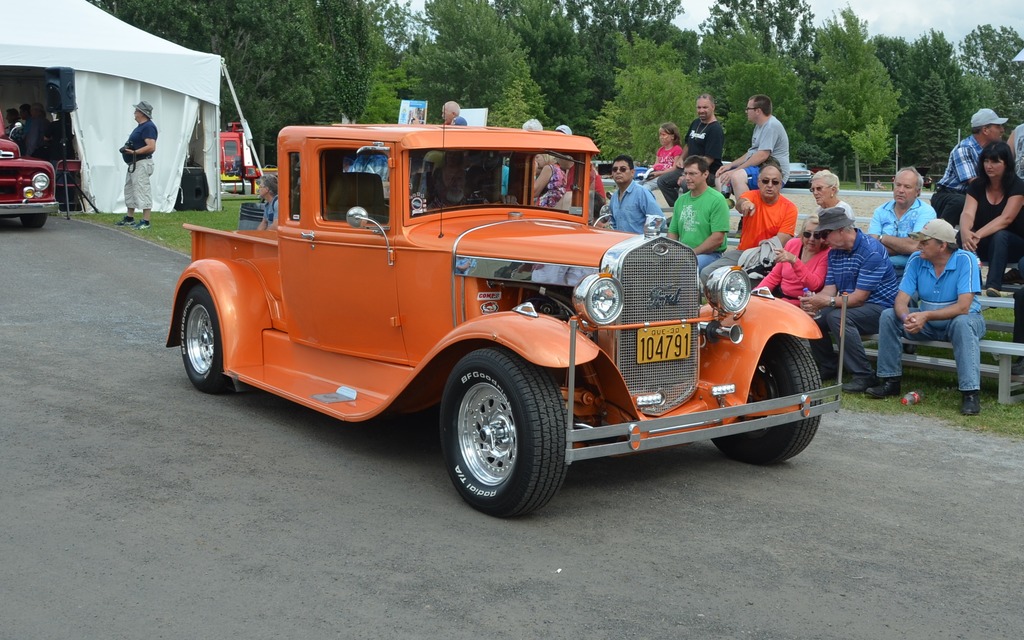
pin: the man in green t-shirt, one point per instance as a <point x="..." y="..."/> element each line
<point x="700" y="218"/>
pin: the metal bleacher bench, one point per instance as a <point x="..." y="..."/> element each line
<point x="1011" y="390"/>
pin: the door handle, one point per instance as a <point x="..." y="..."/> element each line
<point x="308" y="235"/>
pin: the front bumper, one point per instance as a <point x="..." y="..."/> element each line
<point x="670" y="431"/>
<point x="26" y="208"/>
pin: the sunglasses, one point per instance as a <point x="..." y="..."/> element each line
<point x="772" y="182"/>
<point x="821" y="235"/>
<point x="620" y="169"/>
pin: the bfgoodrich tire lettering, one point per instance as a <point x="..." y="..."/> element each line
<point x="503" y="433"/>
<point x="201" y="346"/>
<point x="786" y="367"/>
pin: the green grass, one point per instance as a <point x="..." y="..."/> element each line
<point x="167" y="227"/>
<point x="941" y="397"/>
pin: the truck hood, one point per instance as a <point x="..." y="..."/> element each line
<point x="540" y="241"/>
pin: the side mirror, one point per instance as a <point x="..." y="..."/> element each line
<point x="357" y="217"/>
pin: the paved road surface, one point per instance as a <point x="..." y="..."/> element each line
<point x="133" y="506"/>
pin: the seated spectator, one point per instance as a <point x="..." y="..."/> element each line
<point x="670" y="149"/>
<point x="631" y="204"/>
<point x="859" y="268"/>
<point x="550" y="182"/>
<point x="1016" y="143"/>
<point x="268" y="193"/>
<point x="990" y="224"/>
<point x="825" y="189"/>
<point x="946" y="281"/>
<point x="13" y="118"/>
<point x="700" y="218"/>
<point x="766" y="214"/>
<point x="894" y="222"/>
<point x="799" y="267"/>
<point x="448" y="184"/>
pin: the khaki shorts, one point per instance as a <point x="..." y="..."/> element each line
<point x="137" y="193"/>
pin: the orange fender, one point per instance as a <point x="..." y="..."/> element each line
<point x="724" y="362"/>
<point x="543" y="340"/>
<point x="242" y="308"/>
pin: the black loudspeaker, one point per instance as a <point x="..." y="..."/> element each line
<point x="194" y="190"/>
<point x="60" y="89"/>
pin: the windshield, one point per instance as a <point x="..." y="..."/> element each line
<point x="450" y="178"/>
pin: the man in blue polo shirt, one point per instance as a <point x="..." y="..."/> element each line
<point x="951" y="190"/>
<point x="859" y="268"/>
<point x="895" y="221"/>
<point x="630" y="204"/>
<point x="948" y="311"/>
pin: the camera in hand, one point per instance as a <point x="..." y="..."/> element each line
<point x="127" y="157"/>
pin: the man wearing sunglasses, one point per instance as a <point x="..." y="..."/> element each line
<point x="859" y="268"/>
<point x="946" y="281"/>
<point x="767" y="215"/>
<point x="770" y="140"/>
<point x="630" y="204"/>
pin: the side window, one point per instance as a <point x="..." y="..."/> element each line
<point x="294" y="192"/>
<point x="350" y="180"/>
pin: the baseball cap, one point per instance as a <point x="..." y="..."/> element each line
<point x="985" y="117"/>
<point x="938" y="229"/>
<point x="564" y="128"/>
<point x="833" y="218"/>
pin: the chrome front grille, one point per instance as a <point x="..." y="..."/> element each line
<point x="659" y="277"/>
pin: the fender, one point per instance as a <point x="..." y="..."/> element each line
<point x="242" y="307"/>
<point x="543" y="340"/>
<point x="725" y="362"/>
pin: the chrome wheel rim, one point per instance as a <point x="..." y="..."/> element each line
<point x="487" y="434"/>
<point x="199" y="342"/>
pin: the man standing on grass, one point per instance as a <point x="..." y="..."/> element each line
<point x="138" y="155"/>
<point x="946" y="280"/>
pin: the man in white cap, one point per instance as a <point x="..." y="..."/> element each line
<point x="951" y="190"/>
<point x="946" y="281"/>
<point x="138" y="155"/>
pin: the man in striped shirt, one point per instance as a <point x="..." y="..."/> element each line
<point x="858" y="268"/>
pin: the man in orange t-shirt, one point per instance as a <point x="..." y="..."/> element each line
<point x="766" y="214"/>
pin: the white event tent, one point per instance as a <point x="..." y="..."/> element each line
<point x="116" y="66"/>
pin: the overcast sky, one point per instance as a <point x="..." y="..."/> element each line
<point x="906" y="18"/>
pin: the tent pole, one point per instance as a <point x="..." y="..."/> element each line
<point x="246" y="133"/>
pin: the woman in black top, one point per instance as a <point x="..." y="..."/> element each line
<point x="990" y="224"/>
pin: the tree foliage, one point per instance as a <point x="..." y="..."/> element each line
<point x="782" y="27"/>
<point x="745" y="79"/>
<point x="857" y="91"/>
<point x="647" y="90"/>
<point x="987" y="53"/>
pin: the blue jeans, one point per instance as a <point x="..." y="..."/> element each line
<point x="862" y="320"/>
<point x="998" y="250"/>
<point x="964" y="331"/>
<point x="705" y="259"/>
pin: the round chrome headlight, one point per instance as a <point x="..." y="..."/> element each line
<point x="598" y="299"/>
<point x="728" y="289"/>
<point x="40" y="181"/>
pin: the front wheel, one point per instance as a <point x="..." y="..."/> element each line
<point x="201" y="346"/>
<point x="503" y="433"/>
<point x="33" y="220"/>
<point x="786" y="367"/>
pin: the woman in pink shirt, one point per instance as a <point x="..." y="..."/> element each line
<point x="800" y="265"/>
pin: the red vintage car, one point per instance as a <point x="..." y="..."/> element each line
<point x="26" y="186"/>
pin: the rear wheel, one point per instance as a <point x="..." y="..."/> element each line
<point x="201" y="346"/>
<point x="786" y="367"/>
<point x="503" y="433"/>
<point x="33" y="220"/>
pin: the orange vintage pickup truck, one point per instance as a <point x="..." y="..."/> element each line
<point x="412" y="267"/>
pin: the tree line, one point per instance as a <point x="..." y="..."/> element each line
<point x="610" y="69"/>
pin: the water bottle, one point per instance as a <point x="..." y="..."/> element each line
<point x="912" y="397"/>
<point x="817" y="315"/>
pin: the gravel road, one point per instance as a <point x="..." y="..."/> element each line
<point x="133" y="506"/>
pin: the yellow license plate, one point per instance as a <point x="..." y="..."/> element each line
<point x="660" y="344"/>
